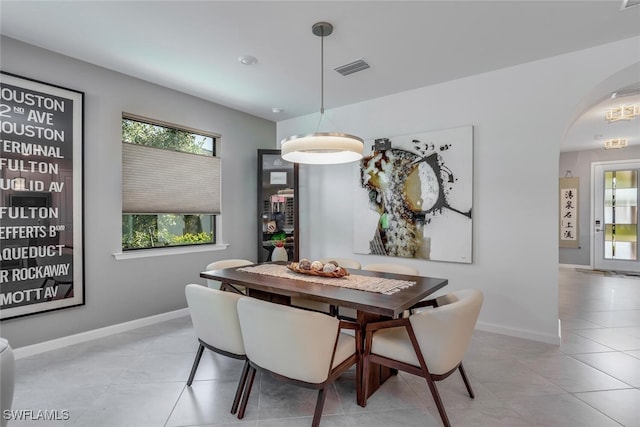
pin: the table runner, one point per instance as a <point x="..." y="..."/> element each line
<point x="352" y="281"/>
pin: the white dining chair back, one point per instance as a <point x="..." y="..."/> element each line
<point x="215" y="317"/>
<point x="7" y="380"/>
<point x="215" y="320"/>
<point x="291" y="342"/>
<point x="392" y="268"/>
<point x="304" y="347"/>
<point x="430" y="343"/>
<point x="451" y="326"/>
<point x="225" y="263"/>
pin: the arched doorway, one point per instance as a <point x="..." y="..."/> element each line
<point x="608" y="214"/>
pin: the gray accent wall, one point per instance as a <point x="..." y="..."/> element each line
<point x="125" y="290"/>
<point x="579" y="164"/>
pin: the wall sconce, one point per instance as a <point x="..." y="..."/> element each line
<point x="624" y="112"/>
<point x="615" y="143"/>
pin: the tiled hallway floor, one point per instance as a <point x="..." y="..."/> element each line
<point x="138" y="378"/>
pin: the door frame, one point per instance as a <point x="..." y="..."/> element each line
<point x="633" y="164"/>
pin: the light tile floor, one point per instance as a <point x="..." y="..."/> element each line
<point x="138" y="378"/>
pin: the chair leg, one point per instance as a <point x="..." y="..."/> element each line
<point x="319" y="406"/>
<point x="438" y="400"/>
<point x="194" y="368"/>
<point x="247" y="392"/>
<point x="240" y="389"/>
<point x="466" y="381"/>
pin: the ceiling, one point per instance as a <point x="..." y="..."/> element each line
<point x="194" y="46"/>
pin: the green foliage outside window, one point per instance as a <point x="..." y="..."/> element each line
<point x="167" y="138"/>
<point x="170" y="229"/>
<point x="151" y="231"/>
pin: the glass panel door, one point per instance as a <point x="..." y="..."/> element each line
<point x="621" y="215"/>
<point x="616" y="216"/>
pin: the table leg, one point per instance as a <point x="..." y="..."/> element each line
<point x="377" y="374"/>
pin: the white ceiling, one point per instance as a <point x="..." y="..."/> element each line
<point x="194" y="46"/>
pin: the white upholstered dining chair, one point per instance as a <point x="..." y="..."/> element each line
<point x="7" y="379"/>
<point x="226" y="263"/>
<point x="299" y="346"/>
<point x="430" y="343"/>
<point x="215" y="320"/>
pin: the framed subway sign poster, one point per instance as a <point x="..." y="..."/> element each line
<point x="41" y="203"/>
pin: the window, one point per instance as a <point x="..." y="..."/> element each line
<point x="170" y="185"/>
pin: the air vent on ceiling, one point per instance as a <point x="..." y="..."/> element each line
<point x="626" y="4"/>
<point x="352" y="67"/>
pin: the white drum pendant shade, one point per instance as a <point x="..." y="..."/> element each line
<point x="322" y="148"/>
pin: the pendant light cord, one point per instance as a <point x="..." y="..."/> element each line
<point x="321" y="79"/>
<point x="322" y="73"/>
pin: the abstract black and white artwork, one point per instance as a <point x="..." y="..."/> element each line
<point x="414" y="196"/>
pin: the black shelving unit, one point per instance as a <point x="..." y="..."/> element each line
<point x="277" y="204"/>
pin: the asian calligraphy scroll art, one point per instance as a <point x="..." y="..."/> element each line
<point x="569" y="237"/>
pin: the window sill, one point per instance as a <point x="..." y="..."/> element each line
<point x="149" y="253"/>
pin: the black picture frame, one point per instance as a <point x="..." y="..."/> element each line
<point x="42" y="212"/>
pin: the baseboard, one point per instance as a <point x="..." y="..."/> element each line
<point x="519" y="333"/>
<point x="574" y="266"/>
<point x="58" y="343"/>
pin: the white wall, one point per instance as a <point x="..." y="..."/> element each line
<point x="120" y="291"/>
<point x="519" y="114"/>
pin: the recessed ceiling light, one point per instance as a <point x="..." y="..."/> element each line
<point x="623" y="112"/>
<point x="276" y="110"/>
<point x="247" y="60"/>
<point x="615" y="143"/>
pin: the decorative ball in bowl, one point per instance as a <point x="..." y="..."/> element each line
<point x="317" y="268"/>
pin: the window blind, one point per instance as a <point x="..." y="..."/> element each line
<point x="156" y="181"/>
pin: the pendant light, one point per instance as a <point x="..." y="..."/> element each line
<point x="321" y="148"/>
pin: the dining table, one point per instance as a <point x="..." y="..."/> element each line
<point x="374" y="295"/>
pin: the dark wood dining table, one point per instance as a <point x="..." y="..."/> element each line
<point x="370" y="306"/>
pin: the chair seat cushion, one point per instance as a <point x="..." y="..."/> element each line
<point x="345" y="349"/>
<point x="394" y="343"/>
